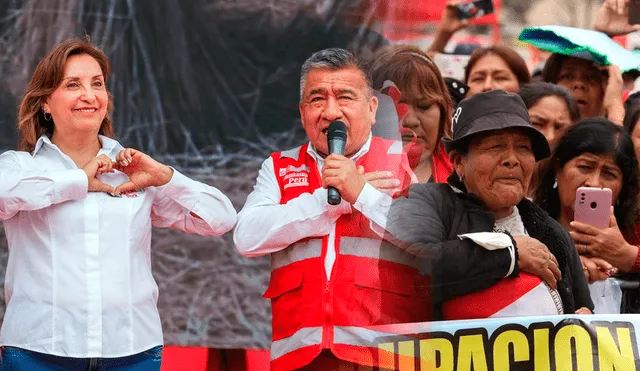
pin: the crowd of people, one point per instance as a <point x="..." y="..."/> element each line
<point x="459" y="207"/>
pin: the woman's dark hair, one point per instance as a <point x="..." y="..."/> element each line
<point x="632" y="112"/>
<point x="552" y="67"/>
<point x="531" y="94"/>
<point x="597" y="136"/>
<point x="514" y="61"/>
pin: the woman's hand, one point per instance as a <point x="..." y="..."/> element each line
<point x="98" y="165"/>
<point x="534" y="257"/>
<point x="613" y="18"/>
<point x="383" y="181"/>
<point x="613" y="88"/>
<point x="142" y="170"/>
<point x="595" y="269"/>
<point x="607" y="244"/>
<point x="450" y="21"/>
<point x="584" y="310"/>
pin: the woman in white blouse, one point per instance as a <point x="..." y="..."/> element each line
<point x="78" y="210"/>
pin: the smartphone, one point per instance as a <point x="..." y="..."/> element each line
<point x="634" y="12"/>
<point x="475" y="9"/>
<point x="592" y="206"/>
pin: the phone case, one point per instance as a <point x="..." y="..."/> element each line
<point x="592" y="206"/>
<point x="634" y="12"/>
<point x="475" y="9"/>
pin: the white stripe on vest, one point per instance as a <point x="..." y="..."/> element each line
<point x="296" y="252"/>
<point x="304" y="337"/>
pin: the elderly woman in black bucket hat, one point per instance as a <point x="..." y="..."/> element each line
<point x="486" y="249"/>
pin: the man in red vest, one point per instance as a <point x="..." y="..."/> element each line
<point x="330" y="269"/>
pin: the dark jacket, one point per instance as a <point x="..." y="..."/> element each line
<point x="428" y="224"/>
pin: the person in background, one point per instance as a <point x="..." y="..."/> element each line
<point x="631" y="118"/>
<point x="597" y="90"/>
<point x="613" y="18"/>
<point x="429" y="107"/>
<point x="496" y="67"/>
<point x="489" y="68"/>
<point x="450" y="23"/>
<point x="457" y="89"/>
<point x="78" y="209"/>
<point x="489" y="251"/>
<point x="551" y="108"/>
<point x="330" y="270"/>
<point x="595" y="153"/>
<point x="629" y="79"/>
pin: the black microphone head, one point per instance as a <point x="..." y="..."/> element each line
<point x="337" y="130"/>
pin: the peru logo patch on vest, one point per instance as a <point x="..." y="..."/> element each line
<point x="295" y="176"/>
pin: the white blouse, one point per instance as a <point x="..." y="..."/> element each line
<point x="78" y="281"/>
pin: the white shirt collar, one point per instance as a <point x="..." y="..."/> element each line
<point x="43" y="139"/>
<point x="361" y="152"/>
<point x="107" y="143"/>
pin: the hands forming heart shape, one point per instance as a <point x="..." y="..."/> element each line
<point x="142" y="170"/>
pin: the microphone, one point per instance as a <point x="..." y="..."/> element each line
<point x="337" y="140"/>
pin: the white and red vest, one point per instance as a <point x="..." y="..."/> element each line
<point x="372" y="282"/>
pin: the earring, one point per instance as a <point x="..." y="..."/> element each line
<point x="555" y="184"/>
<point x="48" y="118"/>
<point x="461" y="177"/>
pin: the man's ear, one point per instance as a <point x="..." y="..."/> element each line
<point x="373" y="108"/>
<point x="458" y="162"/>
<point x="301" y="113"/>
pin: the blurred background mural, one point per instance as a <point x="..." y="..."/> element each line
<point x="211" y="87"/>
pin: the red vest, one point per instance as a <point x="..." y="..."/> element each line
<point x="441" y="166"/>
<point x="311" y="313"/>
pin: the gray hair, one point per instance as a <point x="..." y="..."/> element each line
<point x="335" y="59"/>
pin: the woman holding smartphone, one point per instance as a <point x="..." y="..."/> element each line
<point x="595" y="153"/>
<point x="78" y="209"/>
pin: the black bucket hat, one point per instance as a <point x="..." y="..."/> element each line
<point x="494" y="110"/>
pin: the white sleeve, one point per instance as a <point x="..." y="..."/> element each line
<point x="22" y="188"/>
<point x="494" y="241"/>
<point x="375" y="206"/>
<point x="175" y="201"/>
<point x="265" y="226"/>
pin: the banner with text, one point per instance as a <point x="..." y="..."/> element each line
<point x="583" y="343"/>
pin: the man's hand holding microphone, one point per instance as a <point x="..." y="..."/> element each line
<point x="339" y="174"/>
